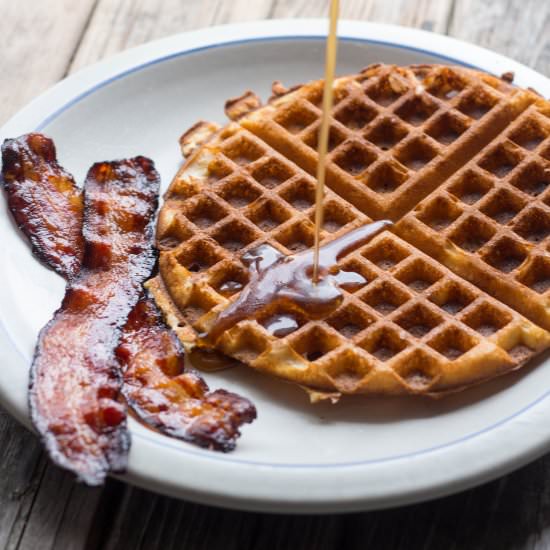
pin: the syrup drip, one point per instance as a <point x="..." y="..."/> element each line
<point x="282" y="282"/>
<point x="350" y="280"/>
<point x="281" y="325"/>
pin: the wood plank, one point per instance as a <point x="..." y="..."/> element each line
<point x="20" y="474"/>
<point x="513" y="512"/>
<point x="121" y="24"/>
<point x="153" y="522"/>
<point x="40" y="505"/>
<point x="61" y="514"/>
<point x="427" y="14"/>
<point x="37" y="46"/>
<point x="517" y="28"/>
<point x="117" y="25"/>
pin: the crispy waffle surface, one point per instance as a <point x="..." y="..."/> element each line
<point x="415" y="327"/>
<point x="397" y="133"/>
<point x="490" y="222"/>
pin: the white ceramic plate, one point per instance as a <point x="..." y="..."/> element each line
<point x="361" y="454"/>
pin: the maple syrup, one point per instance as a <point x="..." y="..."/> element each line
<point x="282" y="282"/>
<point x="324" y="131"/>
<point x="281" y="325"/>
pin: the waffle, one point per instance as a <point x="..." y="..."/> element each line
<point x="491" y="221"/>
<point x="396" y="133"/>
<point x="233" y="194"/>
<point x="414" y="327"/>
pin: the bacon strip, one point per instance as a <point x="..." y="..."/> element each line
<point x="75" y="376"/>
<point x="165" y="397"/>
<point x="150" y="353"/>
<point x="44" y="201"/>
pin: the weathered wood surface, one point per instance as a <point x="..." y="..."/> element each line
<point x="42" y="508"/>
<point x="37" y="45"/>
<point x="519" y="29"/>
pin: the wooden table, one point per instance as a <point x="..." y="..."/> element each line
<point x="41" y="507"/>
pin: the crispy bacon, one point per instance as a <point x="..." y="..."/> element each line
<point x="149" y="352"/>
<point x="75" y="376"/>
<point x="165" y="397"/>
<point x="45" y="201"/>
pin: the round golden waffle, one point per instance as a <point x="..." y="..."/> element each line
<point x="415" y="326"/>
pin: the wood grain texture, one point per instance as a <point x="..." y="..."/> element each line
<point x="517" y="28"/>
<point x="20" y="473"/>
<point x="511" y="513"/>
<point x="62" y="512"/>
<point x="37" y="46"/>
<point x="117" y="25"/>
<point x="41" y="507"/>
<point x="430" y="15"/>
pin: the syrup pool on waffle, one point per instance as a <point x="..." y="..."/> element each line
<point x="276" y="279"/>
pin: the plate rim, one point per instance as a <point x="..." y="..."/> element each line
<point x="87" y="80"/>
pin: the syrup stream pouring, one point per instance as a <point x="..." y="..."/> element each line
<point x="308" y="283"/>
<point x="330" y="66"/>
